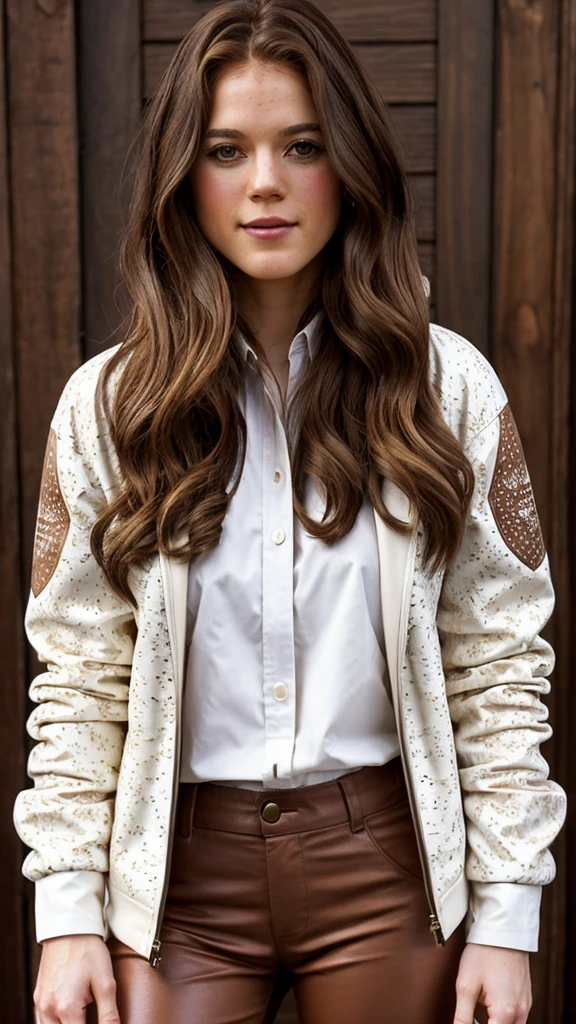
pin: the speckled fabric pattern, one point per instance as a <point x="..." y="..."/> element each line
<point x="52" y="523"/>
<point x="511" y="496"/>
<point x="467" y="680"/>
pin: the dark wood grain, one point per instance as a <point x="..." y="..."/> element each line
<point x="416" y="127"/>
<point x="464" y="199"/>
<point x="424" y="186"/>
<point x="561" y="917"/>
<point x="45" y="273"/>
<point x="531" y="354"/>
<point x="44" y="200"/>
<point x="394" y="21"/>
<point x="13" y="964"/>
<point x="110" y="91"/>
<point x="404" y="73"/>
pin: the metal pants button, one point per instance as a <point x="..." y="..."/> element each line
<point x="271" y="811"/>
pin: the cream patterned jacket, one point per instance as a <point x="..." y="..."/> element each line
<point x="467" y="666"/>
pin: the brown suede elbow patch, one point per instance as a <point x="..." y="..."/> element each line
<point x="512" y="499"/>
<point x="52" y="524"/>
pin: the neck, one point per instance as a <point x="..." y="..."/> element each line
<point x="273" y="309"/>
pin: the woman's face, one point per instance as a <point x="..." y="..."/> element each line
<point x="263" y="158"/>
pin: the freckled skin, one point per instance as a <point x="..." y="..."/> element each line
<point x="266" y="175"/>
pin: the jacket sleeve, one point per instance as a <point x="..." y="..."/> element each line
<point x="495" y="600"/>
<point x="84" y="634"/>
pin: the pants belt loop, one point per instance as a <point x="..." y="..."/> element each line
<point x="352" y="800"/>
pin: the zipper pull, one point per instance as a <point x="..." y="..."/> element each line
<point x="155" y="957"/>
<point x="436" y="930"/>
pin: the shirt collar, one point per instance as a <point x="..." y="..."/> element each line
<point x="311" y="333"/>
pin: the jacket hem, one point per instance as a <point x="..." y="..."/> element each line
<point x="129" y="921"/>
<point x="453" y="906"/>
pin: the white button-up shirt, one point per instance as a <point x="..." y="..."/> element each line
<point x="286" y="672"/>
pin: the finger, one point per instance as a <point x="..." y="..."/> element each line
<point x="63" y="1015"/>
<point x="104" y="992"/>
<point x="465" y="1006"/>
<point x="44" y="1018"/>
<point x="60" y="1015"/>
<point x="508" y="1017"/>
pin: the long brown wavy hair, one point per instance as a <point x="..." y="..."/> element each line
<point x="366" y="407"/>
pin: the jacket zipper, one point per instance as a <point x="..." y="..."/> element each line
<point x="155" y="953"/>
<point x="435" y="926"/>
<point x="155" y="957"/>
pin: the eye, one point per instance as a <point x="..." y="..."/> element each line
<point x="214" y="153"/>
<point x="315" y="148"/>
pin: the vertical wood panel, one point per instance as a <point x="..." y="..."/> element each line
<point x="563" y="505"/>
<point x="13" y="969"/>
<point x="531" y="353"/>
<point x="45" y="269"/>
<point x="44" y="188"/>
<point x="465" y="91"/>
<point x="110" y="91"/>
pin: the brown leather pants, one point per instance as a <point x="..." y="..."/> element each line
<point x="321" y="891"/>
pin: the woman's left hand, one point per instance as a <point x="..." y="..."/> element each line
<point x="497" y="978"/>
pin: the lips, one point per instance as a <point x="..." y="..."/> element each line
<point x="268" y="228"/>
<point x="269" y="222"/>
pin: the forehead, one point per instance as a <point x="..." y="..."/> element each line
<point x="253" y="92"/>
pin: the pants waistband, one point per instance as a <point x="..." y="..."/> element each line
<point x="350" y="797"/>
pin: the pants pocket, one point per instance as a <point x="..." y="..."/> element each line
<point x="391" y="832"/>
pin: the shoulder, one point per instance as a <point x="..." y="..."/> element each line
<point x="80" y="434"/>
<point x="469" y="389"/>
<point x="80" y="388"/>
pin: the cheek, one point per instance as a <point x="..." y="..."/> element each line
<point x="321" y="192"/>
<point x="213" y="193"/>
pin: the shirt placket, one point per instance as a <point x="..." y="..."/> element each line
<point x="279" y="670"/>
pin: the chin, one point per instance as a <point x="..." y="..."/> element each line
<point x="269" y="269"/>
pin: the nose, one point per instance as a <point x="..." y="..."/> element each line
<point x="266" y="178"/>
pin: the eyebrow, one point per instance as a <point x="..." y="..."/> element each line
<point x="233" y="133"/>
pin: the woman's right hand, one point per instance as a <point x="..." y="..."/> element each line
<point x="74" y="971"/>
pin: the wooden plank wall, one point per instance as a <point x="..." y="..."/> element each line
<point x="110" y="101"/>
<point x="533" y="320"/>
<point x="464" y="168"/>
<point x="44" y="349"/>
<point x="14" y="980"/>
<point x="484" y="100"/>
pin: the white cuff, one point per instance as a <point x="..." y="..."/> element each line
<point x="70" y="903"/>
<point x="504" y="914"/>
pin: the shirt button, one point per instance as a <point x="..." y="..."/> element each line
<point x="280" y="691"/>
<point x="278" y="536"/>
<point x="277" y="476"/>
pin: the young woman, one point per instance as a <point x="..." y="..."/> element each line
<point x="288" y="583"/>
